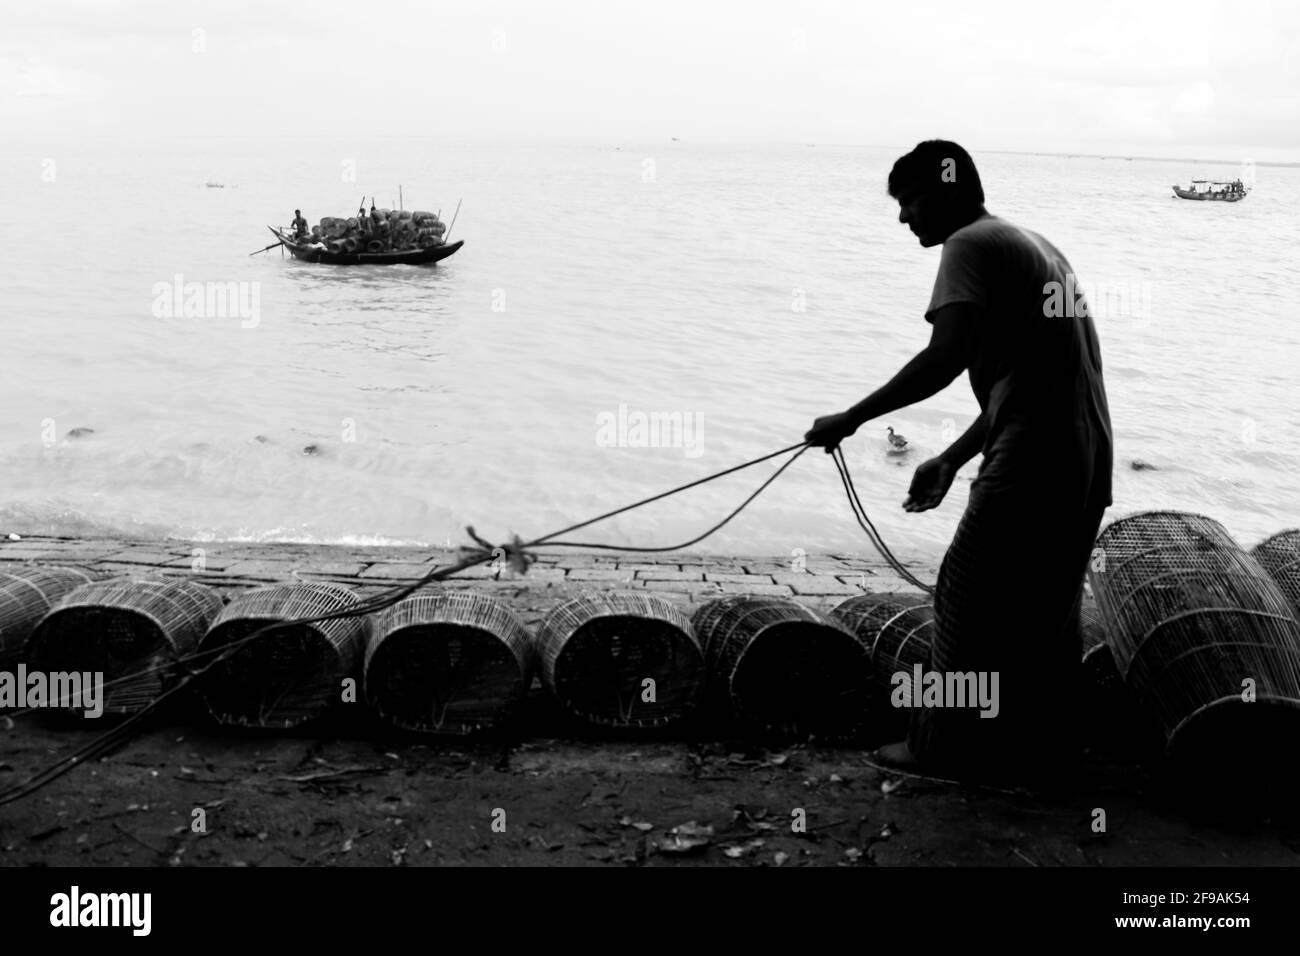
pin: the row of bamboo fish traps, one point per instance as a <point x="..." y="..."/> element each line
<point x="453" y="661"/>
<point x="1182" y="617"/>
<point x="449" y="661"/>
<point x="458" y="661"/>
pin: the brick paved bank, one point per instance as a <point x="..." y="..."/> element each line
<point x="820" y="581"/>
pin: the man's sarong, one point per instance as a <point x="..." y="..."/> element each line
<point x="1007" y="601"/>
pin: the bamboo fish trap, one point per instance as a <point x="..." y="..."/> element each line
<point x="1099" y="667"/>
<point x="131" y="631"/>
<point x="288" y="676"/>
<point x="897" y="630"/>
<point x="1109" y="718"/>
<point x="785" y="667"/>
<point x="1203" y="638"/>
<point x="448" y="663"/>
<point x="621" y="659"/>
<point x="26" y="595"/>
<point x="1280" y="557"/>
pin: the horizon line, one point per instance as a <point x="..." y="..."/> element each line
<point x="471" y="142"/>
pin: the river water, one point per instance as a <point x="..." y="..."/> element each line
<point x="623" y="318"/>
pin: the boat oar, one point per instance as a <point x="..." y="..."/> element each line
<point x="453" y="220"/>
<point x="268" y="248"/>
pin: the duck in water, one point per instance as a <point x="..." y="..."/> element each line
<point x="896" y="442"/>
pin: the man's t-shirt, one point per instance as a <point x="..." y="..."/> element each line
<point x="1036" y="371"/>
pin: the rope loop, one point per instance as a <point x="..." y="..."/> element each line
<point x="515" y="552"/>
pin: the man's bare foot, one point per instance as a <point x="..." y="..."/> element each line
<point x="897" y="755"/>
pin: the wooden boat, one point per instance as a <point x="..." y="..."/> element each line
<point x="312" y="252"/>
<point x="1215" y="192"/>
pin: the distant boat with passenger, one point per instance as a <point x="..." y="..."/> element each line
<point x="380" y="237"/>
<point x="1212" y="190"/>
<point x="311" y="250"/>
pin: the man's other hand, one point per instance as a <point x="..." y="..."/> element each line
<point x="931" y="482"/>
<point x="829" y="430"/>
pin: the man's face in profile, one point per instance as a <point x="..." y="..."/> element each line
<point x="924" y="214"/>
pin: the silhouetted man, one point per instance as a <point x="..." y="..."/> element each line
<point x="1005" y="307"/>
<point x="299" y="225"/>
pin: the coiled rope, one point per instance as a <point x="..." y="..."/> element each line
<point x="193" y="666"/>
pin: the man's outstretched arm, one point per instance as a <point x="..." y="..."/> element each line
<point x="932" y="370"/>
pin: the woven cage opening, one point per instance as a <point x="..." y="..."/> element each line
<point x="600" y="674"/>
<point x="285" y="677"/>
<point x="803" y="679"/>
<point x="1194" y="622"/>
<point x="281" y="679"/>
<point x="26" y="595"/>
<point x="447" y="663"/>
<point x="130" y="631"/>
<point x="133" y="653"/>
<point x="621" y="660"/>
<point x="787" y="668"/>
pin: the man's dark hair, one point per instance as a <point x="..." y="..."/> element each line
<point x="924" y="168"/>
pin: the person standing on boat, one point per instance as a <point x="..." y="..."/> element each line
<point x="382" y="230"/>
<point x="299" y="225"/>
<point x="1005" y="307"/>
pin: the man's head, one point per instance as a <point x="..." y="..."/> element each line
<point x="938" y="190"/>
<point x="297" y="212"/>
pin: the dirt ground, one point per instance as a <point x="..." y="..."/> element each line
<point x="362" y="796"/>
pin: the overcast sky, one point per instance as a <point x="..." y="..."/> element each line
<point x="1140" y="77"/>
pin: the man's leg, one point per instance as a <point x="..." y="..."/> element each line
<point x="1007" y="603"/>
<point x="1058" y="693"/>
<point x="969" y="593"/>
